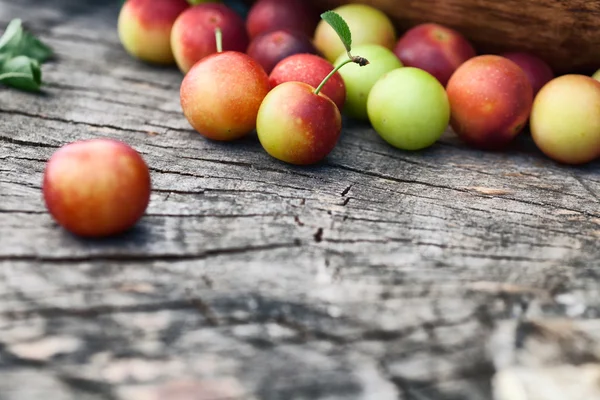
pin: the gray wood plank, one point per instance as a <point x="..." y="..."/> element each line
<point x="379" y="274"/>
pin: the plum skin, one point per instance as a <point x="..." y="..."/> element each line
<point x="144" y="28"/>
<point x="409" y="108"/>
<point x="271" y="15"/>
<point x="360" y="79"/>
<point x="490" y="99"/>
<point x="193" y="35"/>
<point x="96" y="187"/>
<point x="565" y="119"/>
<point x="310" y="69"/>
<point x="537" y="70"/>
<point x="434" y="48"/>
<point x="220" y="96"/>
<point x="297" y="126"/>
<point x="271" y="47"/>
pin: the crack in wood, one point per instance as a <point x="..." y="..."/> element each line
<point x="63" y="120"/>
<point x="318" y="236"/>
<point x="345" y="192"/>
<point x="587" y="188"/>
<point x="145" y="257"/>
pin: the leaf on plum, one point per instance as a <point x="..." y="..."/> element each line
<point x="340" y="27"/>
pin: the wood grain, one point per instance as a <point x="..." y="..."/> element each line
<point x="439" y="275"/>
<point x="562" y="32"/>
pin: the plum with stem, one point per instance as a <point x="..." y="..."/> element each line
<point x="221" y="94"/>
<point x="359" y="80"/>
<point x="311" y="69"/>
<point x="192" y="37"/>
<point x="296" y="122"/>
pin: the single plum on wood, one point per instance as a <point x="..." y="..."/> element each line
<point x="144" y="28"/>
<point x="490" y="98"/>
<point x="271" y="47"/>
<point x="536" y="69"/>
<point x="434" y="48"/>
<point x="310" y="69"/>
<point x="272" y="15"/>
<point x="368" y="25"/>
<point x="565" y="119"/>
<point x="96" y="187"/>
<point x="221" y="94"/>
<point x="193" y="35"/>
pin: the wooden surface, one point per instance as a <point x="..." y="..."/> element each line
<point x="377" y="275"/>
<point x="563" y="32"/>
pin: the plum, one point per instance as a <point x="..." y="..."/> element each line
<point x="272" y="15"/>
<point x="96" y="187"/>
<point x="310" y="69"/>
<point x="490" y="99"/>
<point x="536" y="69"/>
<point x="144" y="28"/>
<point x="409" y="108"/>
<point x="565" y="119"/>
<point x="360" y="79"/>
<point x="434" y="48"/>
<point x="297" y="125"/>
<point x="193" y="34"/>
<point x="221" y="94"/>
<point x="271" y="47"/>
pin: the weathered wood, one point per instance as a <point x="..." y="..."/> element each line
<point x="562" y="32"/>
<point x="378" y="274"/>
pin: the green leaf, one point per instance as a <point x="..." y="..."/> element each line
<point x="22" y="73"/>
<point x="11" y="38"/>
<point x="34" y="48"/>
<point x="340" y="26"/>
<point x="18" y="42"/>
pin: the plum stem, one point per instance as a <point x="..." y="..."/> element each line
<point x="219" y="37"/>
<point x="355" y="59"/>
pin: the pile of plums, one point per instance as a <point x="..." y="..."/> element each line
<point x="414" y="86"/>
<point x="283" y="71"/>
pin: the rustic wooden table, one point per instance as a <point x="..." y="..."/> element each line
<point x="380" y="274"/>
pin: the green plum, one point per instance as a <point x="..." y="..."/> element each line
<point x="408" y="107"/>
<point x="360" y="79"/>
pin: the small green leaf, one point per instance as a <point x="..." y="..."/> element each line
<point x="18" y="42"/>
<point x="34" y="48"/>
<point x="22" y="73"/>
<point x="11" y="38"/>
<point x="340" y="27"/>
